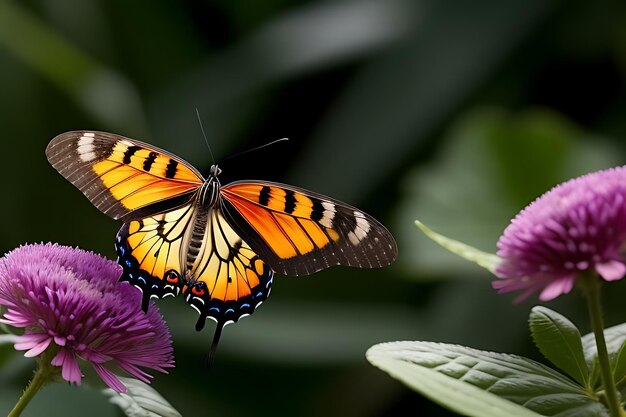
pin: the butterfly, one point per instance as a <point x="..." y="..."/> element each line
<point x="218" y="246"/>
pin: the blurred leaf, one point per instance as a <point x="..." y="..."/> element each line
<point x="558" y="339"/>
<point x="311" y="37"/>
<point x="486" y="260"/>
<point x="521" y="144"/>
<point x="470" y="192"/>
<point x="397" y="99"/>
<point x="311" y="333"/>
<point x="6" y="348"/>
<point x="7" y="339"/>
<point x="105" y="95"/>
<point x="479" y="383"/>
<point x="141" y="400"/>
<point x="55" y="400"/>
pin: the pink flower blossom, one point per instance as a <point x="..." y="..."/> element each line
<point x="69" y="300"/>
<point x="578" y="226"/>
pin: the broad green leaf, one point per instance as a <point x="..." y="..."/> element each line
<point x="615" y="339"/>
<point x="480" y="383"/>
<point x="141" y="400"/>
<point x="486" y="260"/>
<point x="619" y="367"/>
<point x="558" y="339"/>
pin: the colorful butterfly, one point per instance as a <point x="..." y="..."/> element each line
<point x="216" y="245"/>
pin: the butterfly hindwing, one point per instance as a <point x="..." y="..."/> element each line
<point x="298" y="232"/>
<point x="231" y="280"/>
<point x="150" y="251"/>
<point x="219" y="275"/>
<point x="121" y="175"/>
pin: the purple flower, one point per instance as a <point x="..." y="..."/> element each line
<point x="577" y="226"/>
<point x="69" y="303"/>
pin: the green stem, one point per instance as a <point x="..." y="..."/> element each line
<point x="42" y="376"/>
<point x="591" y="286"/>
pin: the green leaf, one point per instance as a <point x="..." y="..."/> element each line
<point x="615" y="339"/>
<point x="480" y="383"/>
<point x="486" y="260"/>
<point x="141" y="400"/>
<point x="619" y="367"/>
<point x="558" y="339"/>
<point x="7" y="339"/>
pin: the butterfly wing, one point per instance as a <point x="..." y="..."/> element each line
<point x="197" y="254"/>
<point x="298" y="232"/>
<point x="122" y="177"/>
<point x="150" y="251"/>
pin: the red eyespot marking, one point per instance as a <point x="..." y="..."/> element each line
<point x="172" y="277"/>
<point x="196" y="290"/>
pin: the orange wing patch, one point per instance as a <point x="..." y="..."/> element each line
<point x="290" y="223"/>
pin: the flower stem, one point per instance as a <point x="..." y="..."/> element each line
<point x="591" y="287"/>
<point x="42" y="376"/>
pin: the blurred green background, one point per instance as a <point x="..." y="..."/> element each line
<point x="456" y="113"/>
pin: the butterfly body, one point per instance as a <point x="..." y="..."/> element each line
<point x="217" y="246"/>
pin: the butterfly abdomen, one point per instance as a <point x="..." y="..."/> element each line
<point x="207" y="198"/>
<point x="196" y="238"/>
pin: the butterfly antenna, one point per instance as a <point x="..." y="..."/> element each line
<point x="258" y="147"/>
<point x="204" y="135"/>
<point x="210" y="357"/>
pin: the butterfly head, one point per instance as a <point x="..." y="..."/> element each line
<point x="215" y="171"/>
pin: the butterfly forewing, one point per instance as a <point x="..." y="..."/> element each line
<point x="298" y="232"/>
<point x="120" y="175"/>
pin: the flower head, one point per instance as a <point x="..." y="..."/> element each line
<point x="69" y="303"/>
<point x="577" y="226"/>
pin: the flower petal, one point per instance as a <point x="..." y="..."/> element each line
<point x="557" y="287"/>
<point x="110" y="378"/>
<point x="34" y="343"/>
<point x="611" y="270"/>
<point x="69" y="366"/>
